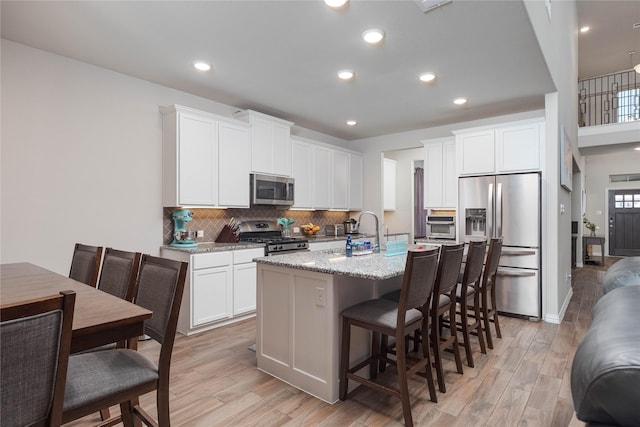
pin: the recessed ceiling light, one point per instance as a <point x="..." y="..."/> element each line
<point x="335" y="3"/>
<point x="351" y="122"/>
<point x="637" y="148"/>
<point x="427" y="77"/>
<point x="584" y="29"/>
<point x="201" y="65"/>
<point x="346" y="74"/>
<point x="373" y="36"/>
<point x="460" y="101"/>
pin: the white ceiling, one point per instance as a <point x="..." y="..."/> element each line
<point x="281" y="57"/>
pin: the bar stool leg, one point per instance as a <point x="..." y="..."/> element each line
<point x="344" y="358"/>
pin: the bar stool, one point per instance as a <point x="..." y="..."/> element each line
<point x="488" y="303"/>
<point x="444" y="302"/>
<point x="382" y="316"/>
<point x="469" y="287"/>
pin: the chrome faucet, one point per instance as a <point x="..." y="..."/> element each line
<point x="376" y="248"/>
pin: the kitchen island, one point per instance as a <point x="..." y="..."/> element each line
<point x="300" y="298"/>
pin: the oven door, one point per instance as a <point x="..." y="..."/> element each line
<point x="272" y="190"/>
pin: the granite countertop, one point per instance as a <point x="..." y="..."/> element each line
<point x="215" y="247"/>
<point x="372" y="266"/>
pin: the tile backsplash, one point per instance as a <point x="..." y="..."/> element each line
<point x="212" y="220"/>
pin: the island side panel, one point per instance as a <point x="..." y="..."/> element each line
<point x="298" y="328"/>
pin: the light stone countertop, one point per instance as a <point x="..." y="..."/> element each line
<point x="215" y="247"/>
<point x="372" y="266"/>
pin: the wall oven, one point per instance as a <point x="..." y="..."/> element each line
<point x="441" y="227"/>
<point x="272" y="190"/>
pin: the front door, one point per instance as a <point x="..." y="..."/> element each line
<point x="624" y="222"/>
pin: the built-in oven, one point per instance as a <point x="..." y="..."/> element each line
<point x="441" y="227"/>
<point x="272" y="190"/>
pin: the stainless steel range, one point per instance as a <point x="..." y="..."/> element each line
<point x="269" y="233"/>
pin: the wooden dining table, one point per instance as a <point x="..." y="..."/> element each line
<point x="99" y="318"/>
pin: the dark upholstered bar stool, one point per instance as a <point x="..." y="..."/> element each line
<point x="444" y="302"/>
<point x="36" y="340"/>
<point x="469" y="289"/>
<point x="85" y="264"/>
<point x="382" y="316"/>
<point x="488" y="303"/>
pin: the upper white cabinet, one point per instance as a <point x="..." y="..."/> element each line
<point x="323" y="177"/>
<point x="503" y="148"/>
<point x="326" y="177"/>
<point x="198" y="149"/>
<point x="303" y="173"/>
<point x="340" y="193"/>
<point x="389" y="184"/>
<point x="440" y="177"/>
<point x="270" y="141"/>
<point x="356" y="182"/>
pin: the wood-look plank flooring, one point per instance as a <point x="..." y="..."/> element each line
<point x="523" y="381"/>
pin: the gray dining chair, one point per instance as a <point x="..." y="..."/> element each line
<point x="36" y="340"/>
<point x="100" y="379"/>
<point x="85" y="264"/>
<point x="119" y="273"/>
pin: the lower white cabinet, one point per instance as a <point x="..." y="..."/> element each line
<point x="220" y="288"/>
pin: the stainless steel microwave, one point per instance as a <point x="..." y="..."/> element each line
<point x="272" y="190"/>
<point x="441" y="227"/>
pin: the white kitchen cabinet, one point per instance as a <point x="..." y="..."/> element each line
<point x="233" y="167"/>
<point x="244" y="280"/>
<point x="503" y="148"/>
<point x="440" y="177"/>
<point x="518" y="147"/>
<point x="303" y="172"/>
<point x="356" y="181"/>
<point x="220" y="288"/>
<point x="270" y="141"/>
<point x="198" y="149"/>
<point x="322" y="162"/>
<point x="340" y="179"/>
<point x="389" y="184"/>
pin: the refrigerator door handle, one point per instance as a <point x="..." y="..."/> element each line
<point x="499" y="210"/>
<point x="489" y="219"/>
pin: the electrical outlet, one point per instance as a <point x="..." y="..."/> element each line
<point x="200" y="233"/>
<point x="320" y="297"/>
<point x="296" y="230"/>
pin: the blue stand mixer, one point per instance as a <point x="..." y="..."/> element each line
<point x="182" y="238"/>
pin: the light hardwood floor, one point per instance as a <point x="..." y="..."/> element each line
<point x="523" y="381"/>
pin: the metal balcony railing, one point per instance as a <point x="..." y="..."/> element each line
<point x="614" y="98"/>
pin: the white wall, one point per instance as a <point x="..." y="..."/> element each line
<point x="81" y="157"/>
<point x="557" y="38"/>
<point x="401" y="220"/>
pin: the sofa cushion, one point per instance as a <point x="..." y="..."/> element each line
<point x="605" y="375"/>
<point x="625" y="272"/>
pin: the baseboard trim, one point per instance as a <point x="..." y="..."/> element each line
<point x="557" y="318"/>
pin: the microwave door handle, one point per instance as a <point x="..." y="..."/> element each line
<point x="499" y="210"/>
<point x="489" y="217"/>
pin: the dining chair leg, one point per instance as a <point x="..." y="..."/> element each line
<point x="163" y="404"/>
<point x="344" y="358"/>
<point x="105" y="414"/>
<point x="437" y="354"/>
<point x="126" y="412"/>
<point x="384" y="342"/>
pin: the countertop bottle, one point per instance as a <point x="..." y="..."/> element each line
<point x="348" y="248"/>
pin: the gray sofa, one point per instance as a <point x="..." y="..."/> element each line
<point x="605" y="375"/>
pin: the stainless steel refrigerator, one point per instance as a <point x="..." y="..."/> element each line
<point x="507" y="206"/>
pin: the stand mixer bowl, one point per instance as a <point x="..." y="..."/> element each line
<point x="185" y="236"/>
